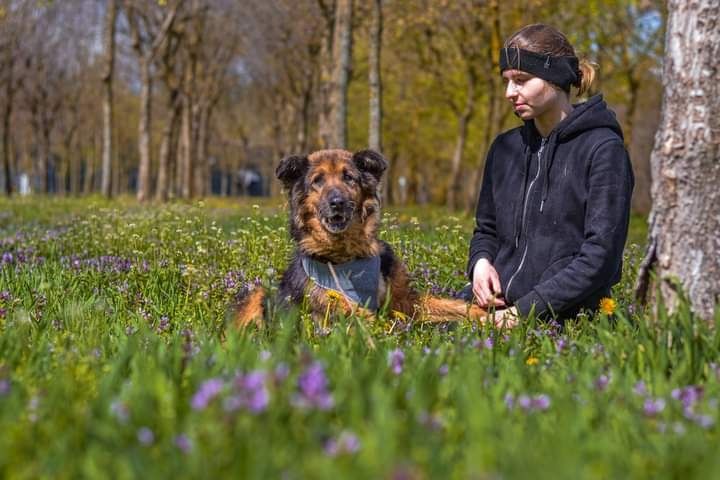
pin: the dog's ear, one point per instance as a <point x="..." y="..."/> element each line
<point x="291" y="169"/>
<point x="370" y="161"/>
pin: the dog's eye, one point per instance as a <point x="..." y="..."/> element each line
<point x="318" y="181"/>
<point x="347" y="178"/>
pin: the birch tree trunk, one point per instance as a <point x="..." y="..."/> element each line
<point x="343" y="65"/>
<point x="342" y="62"/>
<point x="108" y="98"/>
<point x="683" y="241"/>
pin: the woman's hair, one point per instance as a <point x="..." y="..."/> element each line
<point x="547" y="40"/>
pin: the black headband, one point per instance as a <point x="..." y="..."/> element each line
<point x="562" y="71"/>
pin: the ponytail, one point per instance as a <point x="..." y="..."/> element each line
<point x="587" y="75"/>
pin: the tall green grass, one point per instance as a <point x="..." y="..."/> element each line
<point x="116" y="361"/>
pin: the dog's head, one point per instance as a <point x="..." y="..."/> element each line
<point x="333" y="190"/>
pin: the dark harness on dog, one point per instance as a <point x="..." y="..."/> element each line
<point x="357" y="279"/>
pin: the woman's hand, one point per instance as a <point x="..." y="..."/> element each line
<point x="507" y="318"/>
<point x="486" y="285"/>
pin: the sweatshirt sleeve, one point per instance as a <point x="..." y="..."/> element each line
<point x="484" y="242"/>
<point x="607" y="215"/>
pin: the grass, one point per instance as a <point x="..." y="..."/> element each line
<point x="116" y="361"/>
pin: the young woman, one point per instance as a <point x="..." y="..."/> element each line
<point x="552" y="217"/>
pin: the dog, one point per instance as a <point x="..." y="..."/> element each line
<point x="339" y="264"/>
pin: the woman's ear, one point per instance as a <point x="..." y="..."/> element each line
<point x="370" y="161"/>
<point x="291" y="169"/>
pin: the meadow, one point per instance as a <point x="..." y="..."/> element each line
<point x="117" y="361"/>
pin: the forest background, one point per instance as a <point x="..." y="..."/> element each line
<point x="172" y="99"/>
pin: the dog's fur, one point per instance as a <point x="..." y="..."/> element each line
<point x="334" y="216"/>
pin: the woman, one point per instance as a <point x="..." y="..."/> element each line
<point x="552" y="217"/>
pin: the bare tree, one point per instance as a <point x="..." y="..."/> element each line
<point x="12" y="23"/>
<point x="375" y="83"/>
<point x="150" y="25"/>
<point x="682" y="239"/>
<point x="107" y="80"/>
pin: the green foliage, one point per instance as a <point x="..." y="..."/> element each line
<point x="116" y="361"/>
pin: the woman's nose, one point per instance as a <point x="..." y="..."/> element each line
<point x="511" y="90"/>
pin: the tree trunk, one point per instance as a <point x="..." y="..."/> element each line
<point x="326" y="73"/>
<point x="7" y="115"/>
<point x="90" y="167"/>
<point x="43" y="161"/>
<point x="336" y="136"/>
<point x="374" y="79"/>
<point x="202" y="166"/>
<point x="375" y="83"/>
<point x="186" y="159"/>
<point x="143" y="180"/>
<point x="455" y="188"/>
<point x="162" y="186"/>
<point x="494" y="119"/>
<point x="682" y="239"/>
<point x="108" y="98"/>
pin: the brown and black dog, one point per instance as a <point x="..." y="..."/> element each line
<point x="339" y="263"/>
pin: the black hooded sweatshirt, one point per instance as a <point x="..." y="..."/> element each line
<point x="553" y="212"/>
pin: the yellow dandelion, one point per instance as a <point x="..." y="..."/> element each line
<point x="399" y="315"/>
<point x="532" y="361"/>
<point x="333" y="295"/>
<point x="607" y="305"/>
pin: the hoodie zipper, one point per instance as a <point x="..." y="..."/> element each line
<point x="522" y="221"/>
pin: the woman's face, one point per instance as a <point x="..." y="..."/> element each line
<point x="530" y="96"/>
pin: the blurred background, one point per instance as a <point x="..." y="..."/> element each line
<point x="167" y="99"/>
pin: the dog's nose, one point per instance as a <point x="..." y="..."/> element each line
<point x="336" y="201"/>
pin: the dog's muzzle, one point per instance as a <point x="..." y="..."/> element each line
<point x="336" y="212"/>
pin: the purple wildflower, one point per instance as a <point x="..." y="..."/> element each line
<point x="265" y="356"/>
<point x="430" y="421"/>
<point x="396" y="358"/>
<point x="602" y="382"/>
<point x="163" y="324"/>
<point x="640" y="389"/>
<point x="251" y="393"/>
<point x="7" y="257"/>
<point x="688" y="396"/>
<point x="541" y="402"/>
<point x="705" y="421"/>
<point x="281" y="372"/>
<point x="207" y="391"/>
<point x="346" y="443"/>
<point x="183" y="443"/>
<point x="4" y="387"/>
<point x="5" y="296"/>
<point x="561" y="345"/>
<point x="443" y="370"/>
<point x="145" y="436"/>
<point x="538" y="403"/>
<point x="120" y="411"/>
<point x="312" y="389"/>
<point x="653" y="406"/>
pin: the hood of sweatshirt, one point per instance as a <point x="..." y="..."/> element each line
<point x="594" y="113"/>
